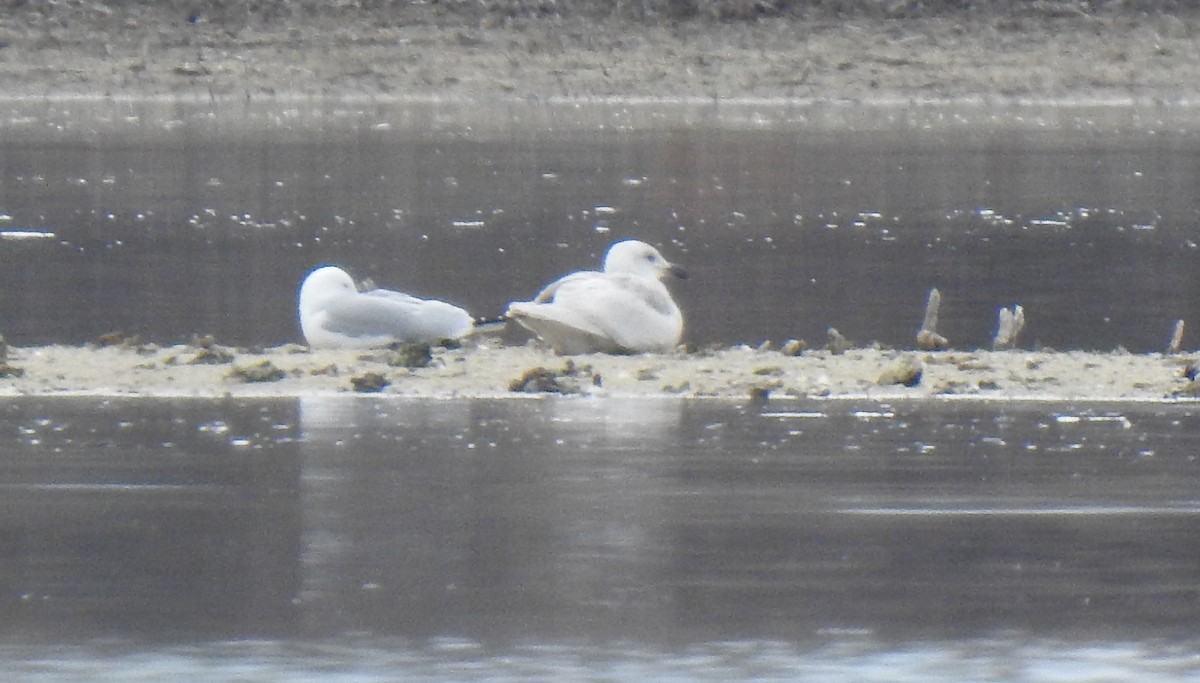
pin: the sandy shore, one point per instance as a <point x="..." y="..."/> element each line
<point x="488" y="371"/>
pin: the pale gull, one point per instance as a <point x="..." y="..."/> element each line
<point x="624" y="309"/>
<point x="333" y="313"/>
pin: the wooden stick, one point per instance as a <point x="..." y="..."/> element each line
<point x="1176" y="338"/>
<point x="1011" y="322"/>
<point x="927" y="338"/>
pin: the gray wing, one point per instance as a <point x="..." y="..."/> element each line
<point x="602" y="312"/>
<point x="402" y="317"/>
<point x="609" y="292"/>
<point x="647" y="291"/>
<point x="389" y="295"/>
<point x="549" y="291"/>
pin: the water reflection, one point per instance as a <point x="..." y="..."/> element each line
<point x="666" y="519"/>
<point x="498" y="514"/>
<point x="209" y="223"/>
<point x="415" y="538"/>
<point x="147" y="519"/>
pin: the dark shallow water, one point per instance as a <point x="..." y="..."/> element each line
<point x="361" y="539"/>
<point x="355" y="539"/>
<point x="174" y="219"/>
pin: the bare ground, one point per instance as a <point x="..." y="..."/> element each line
<point x="413" y="50"/>
<point x="490" y="370"/>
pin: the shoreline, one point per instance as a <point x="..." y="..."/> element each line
<point x="876" y="99"/>
<point x="140" y="119"/>
<point x="488" y="371"/>
<point x="238" y="70"/>
<point x="1005" y="52"/>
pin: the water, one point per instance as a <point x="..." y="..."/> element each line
<point x="358" y="539"/>
<point x="174" y="219"/>
<point x="362" y="539"/>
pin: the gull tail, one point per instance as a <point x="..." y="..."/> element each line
<point x="490" y="326"/>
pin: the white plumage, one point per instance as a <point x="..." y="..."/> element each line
<point x="623" y="309"/>
<point x="333" y="313"/>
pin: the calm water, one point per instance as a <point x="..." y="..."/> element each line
<point x="361" y="539"/>
<point x="175" y="219"/>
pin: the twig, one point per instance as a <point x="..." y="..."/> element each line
<point x="1011" y="322"/>
<point x="927" y="338"/>
<point x="1176" y="338"/>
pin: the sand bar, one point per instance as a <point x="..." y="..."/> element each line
<point x="492" y="370"/>
<point x="1144" y="65"/>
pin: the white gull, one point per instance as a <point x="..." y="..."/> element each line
<point x="333" y="313"/>
<point x="624" y="309"/>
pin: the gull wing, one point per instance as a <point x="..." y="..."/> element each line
<point x="612" y="313"/>
<point x="404" y="318"/>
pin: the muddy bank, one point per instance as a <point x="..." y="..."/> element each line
<point x="492" y="370"/>
<point x="1010" y="51"/>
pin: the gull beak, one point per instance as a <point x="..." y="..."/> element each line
<point x="676" y="271"/>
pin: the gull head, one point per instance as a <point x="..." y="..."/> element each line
<point x="323" y="284"/>
<point x="638" y="258"/>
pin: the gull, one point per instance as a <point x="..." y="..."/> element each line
<point x="333" y="313"/>
<point x="624" y="309"/>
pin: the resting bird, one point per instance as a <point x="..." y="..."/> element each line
<point x="333" y="313"/>
<point x="624" y="309"/>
